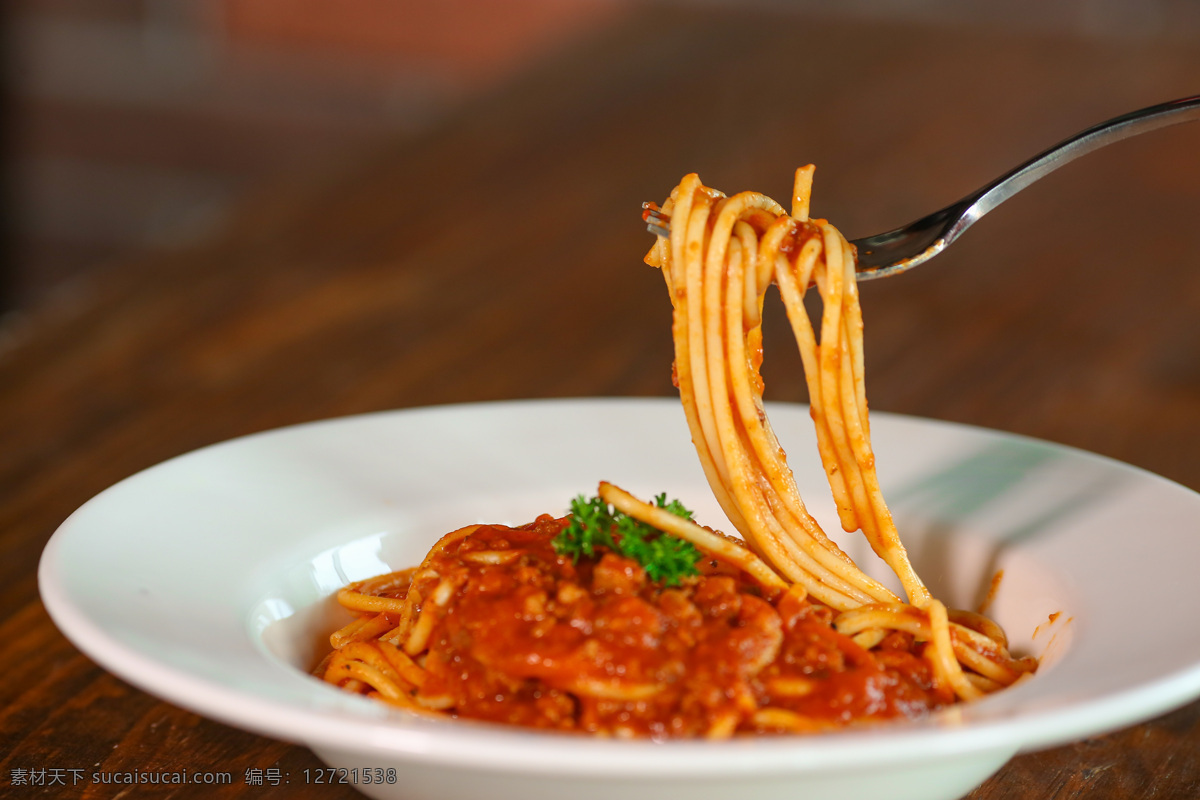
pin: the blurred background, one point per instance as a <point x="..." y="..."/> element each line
<point x="139" y="124"/>
<point x="227" y="216"/>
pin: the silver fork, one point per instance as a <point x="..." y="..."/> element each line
<point x="902" y="249"/>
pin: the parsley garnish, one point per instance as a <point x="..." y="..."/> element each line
<point x="594" y="523"/>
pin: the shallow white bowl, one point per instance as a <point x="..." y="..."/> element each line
<point x="206" y="580"/>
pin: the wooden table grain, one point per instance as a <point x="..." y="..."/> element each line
<point x="500" y="257"/>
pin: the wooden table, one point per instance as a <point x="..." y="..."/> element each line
<point x="500" y="257"/>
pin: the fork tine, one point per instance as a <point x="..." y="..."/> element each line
<point x="656" y="221"/>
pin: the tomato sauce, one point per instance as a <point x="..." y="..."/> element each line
<point x="531" y="638"/>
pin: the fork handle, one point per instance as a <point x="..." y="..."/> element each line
<point x="1105" y="133"/>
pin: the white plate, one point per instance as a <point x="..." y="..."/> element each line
<point x="206" y="581"/>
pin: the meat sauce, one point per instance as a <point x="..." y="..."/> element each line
<point x="531" y="638"/>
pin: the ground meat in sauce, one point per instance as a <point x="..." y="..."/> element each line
<point x="532" y="639"/>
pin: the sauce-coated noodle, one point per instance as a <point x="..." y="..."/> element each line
<point x="783" y="633"/>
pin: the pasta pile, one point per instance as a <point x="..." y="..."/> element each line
<point x="557" y="625"/>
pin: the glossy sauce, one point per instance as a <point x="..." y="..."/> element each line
<point x="532" y="639"/>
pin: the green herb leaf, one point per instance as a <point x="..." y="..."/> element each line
<point x="595" y="524"/>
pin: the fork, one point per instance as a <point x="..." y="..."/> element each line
<point x="903" y="248"/>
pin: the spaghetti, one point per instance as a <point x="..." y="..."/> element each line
<point x="779" y="632"/>
<point x="722" y="254"/>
